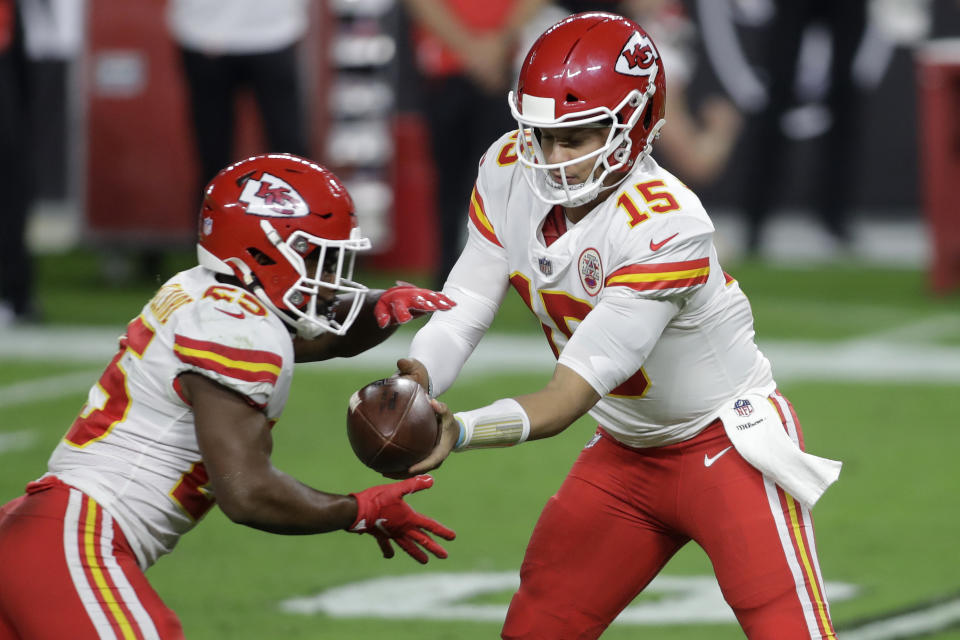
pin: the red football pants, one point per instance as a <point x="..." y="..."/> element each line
<point x="67" y="571"/>
<point x="622" y="513"/>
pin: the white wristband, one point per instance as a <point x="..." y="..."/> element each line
<point x="501" y="424"/>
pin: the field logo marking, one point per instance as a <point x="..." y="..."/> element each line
<point x="443" y="596"/>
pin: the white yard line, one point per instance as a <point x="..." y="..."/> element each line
<point x="913" y="624"/>
<point x="17" y="440"/>
<point x="857" y="361"/>
<point x="59" y="344"/>
<point x="46" y="388"/>
<point x="923" y="331"/>
<point x="897" y="354"/>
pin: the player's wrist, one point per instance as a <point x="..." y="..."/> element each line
<point x="501" y="424"/>
<point x="366" y="508"/>
<point x="463" y="432"/>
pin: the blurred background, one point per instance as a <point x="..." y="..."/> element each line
<point x="808" y="131"/>
<point x="823" y="137"/>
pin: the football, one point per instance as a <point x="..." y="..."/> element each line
<point x="391" y="424"/>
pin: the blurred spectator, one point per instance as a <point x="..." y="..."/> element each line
<point x="845" y="21"/>
<point x="695" y="147"/>
<point x="579" y="6"/>
<point x="229" y="46"/>
<point x="16" y="272"/>
<point x="465" y="53"/>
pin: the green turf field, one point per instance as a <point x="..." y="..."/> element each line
<point x="870" y="360"/>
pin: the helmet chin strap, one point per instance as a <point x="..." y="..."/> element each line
<point x="595" y="194"/>
<point x="654" y="132"/>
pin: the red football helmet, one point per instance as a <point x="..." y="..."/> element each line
<point x="263" y="217"/>
<point x="590" y="69"/>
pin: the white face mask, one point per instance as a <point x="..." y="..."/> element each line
<point x="614" y="155"/>
<point x="337" y="257"/>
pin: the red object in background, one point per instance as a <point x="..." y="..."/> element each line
<point x="142" y="189"/>
<point x="938" y="67"/>
<point x="6" y="24"/>
<point x="142" y="184"/>
<point x="413" y="245"/>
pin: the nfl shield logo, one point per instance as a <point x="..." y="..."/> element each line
<point x="546" y="267"/>
<point x="743" y="407"/>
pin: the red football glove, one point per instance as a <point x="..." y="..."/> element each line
<point x="382" y="513"/>
<point x="399" y="304"/>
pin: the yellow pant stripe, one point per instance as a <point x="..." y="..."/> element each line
<point x="109" y="598"/>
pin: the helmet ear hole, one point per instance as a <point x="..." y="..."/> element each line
<point x="260" y="257"/>
<point x="648" y="115"/>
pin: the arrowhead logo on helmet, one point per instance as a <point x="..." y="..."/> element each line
<point x="273" y="198"/>
<point x="638" y="57"/>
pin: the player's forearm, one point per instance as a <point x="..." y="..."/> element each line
<point x="445" y="343"/>
<point x="559" y="404"/>
<point x="279" y="503"/>
<point x="533" y="416"/>
<point x="364" y="334"/>
<point x="436" y="17"/>
<point x="551" y="412"/>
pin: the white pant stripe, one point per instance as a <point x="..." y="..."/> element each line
<point x="810" y="608"/>
<point x="74" y="555"/>
<point x="786" y="543"/>
<point x="811" y="544"/>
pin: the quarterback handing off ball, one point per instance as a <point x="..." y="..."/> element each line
<point x="391" y="425"/>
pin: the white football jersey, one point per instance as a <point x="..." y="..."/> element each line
<point x="650" y="239"/>
<point x="133" y="447"/>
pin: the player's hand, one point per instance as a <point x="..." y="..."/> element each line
<point x="414" y="369"/>
<point x="449" y="434"/>
<point x="400" y="304"/>
<point x="382" y="513"/>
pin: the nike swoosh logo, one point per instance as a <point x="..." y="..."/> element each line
<point x="233" y="314"/>
<point x="655" y="246"/>
<point x="707" y="460"/>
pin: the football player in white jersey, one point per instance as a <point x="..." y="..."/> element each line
<point x="181" y="418"/>
<point x="615" y="257"/>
